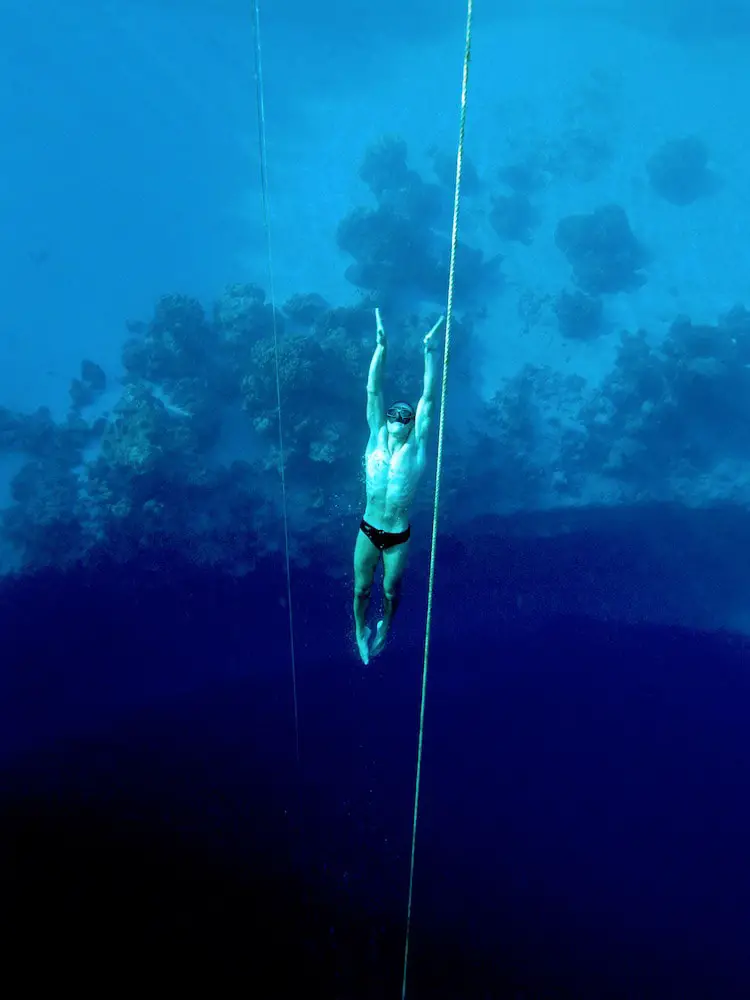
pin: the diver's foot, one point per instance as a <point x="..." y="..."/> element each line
<point x="363" y="645"/>
<point x="381" y="633"/>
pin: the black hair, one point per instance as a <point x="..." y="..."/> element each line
<point x="402" y="402"/>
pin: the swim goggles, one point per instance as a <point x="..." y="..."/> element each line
<point x="399" y="414"/>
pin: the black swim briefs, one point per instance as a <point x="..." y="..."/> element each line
<point x="383" y="540"/>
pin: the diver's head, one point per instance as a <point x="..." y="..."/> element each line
<point x="400" y="419"/>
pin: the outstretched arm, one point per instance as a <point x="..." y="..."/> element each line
<point x="426" y="405"/>
<point x="375" y="401"/>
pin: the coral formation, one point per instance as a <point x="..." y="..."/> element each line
<point x="679" y="171"/>
<point x="602" y="251"/>
<point x="187" y="452"/>
<point x="400" y="248"/>
<point x="579" y="315"/>
<point x="513" y="217"/>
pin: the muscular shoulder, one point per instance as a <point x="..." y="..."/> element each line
<point x="376" y="441"/>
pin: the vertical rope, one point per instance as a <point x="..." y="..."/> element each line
<point x="272" y="294"/>
<point x="438" y="478"/>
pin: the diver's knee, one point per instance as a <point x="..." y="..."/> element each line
<point x="392" y="591"/>
<point x="362" y="591"/>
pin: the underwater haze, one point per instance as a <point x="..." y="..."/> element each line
<point x="209" y="208"/>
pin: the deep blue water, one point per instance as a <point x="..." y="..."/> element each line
<point x="583" y="823"/>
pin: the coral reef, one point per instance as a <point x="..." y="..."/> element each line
<point x="400" y="248"/>
<point x="513" y="217"/>
<point x="679" y="171"/>
<point x="188" y="452"/>
<point x="602" y="251"/>
<point x="88" y="388"/>
<point x="579" y="316"/>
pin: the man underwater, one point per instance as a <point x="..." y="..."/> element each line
<point x="395" y="459"/>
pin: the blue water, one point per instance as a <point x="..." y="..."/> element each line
<point x="200" y="781"/>
<point x="583" y="821"/>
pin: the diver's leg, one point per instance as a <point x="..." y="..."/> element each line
<point x="394" y="566"/>
<point x="366" y="559"/>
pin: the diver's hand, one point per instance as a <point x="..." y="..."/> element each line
<point x="380" y="330"/>
<point x="429" y="341"/>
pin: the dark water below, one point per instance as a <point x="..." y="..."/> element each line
<point x="584" y="821"/>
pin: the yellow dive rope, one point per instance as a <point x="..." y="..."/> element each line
<point x="272" y="296"/>
<point x="438" y="476"/>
